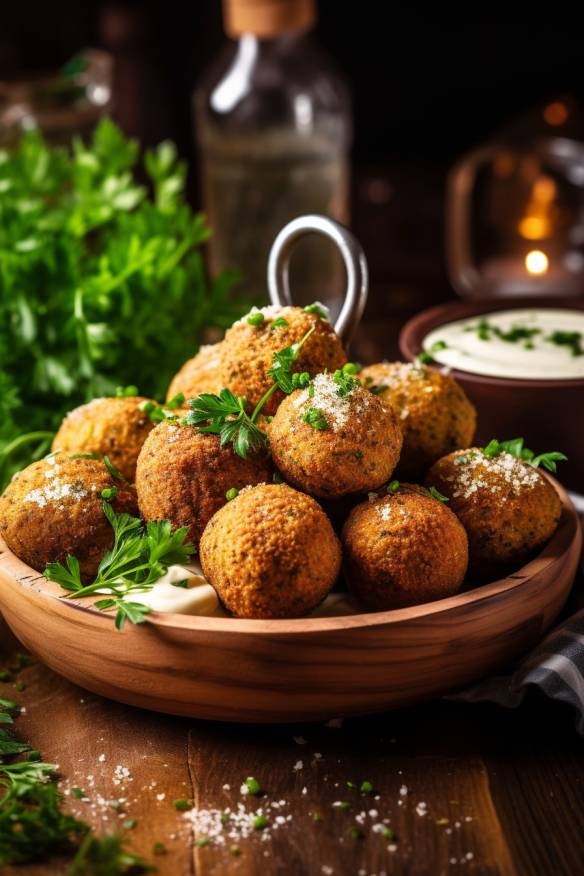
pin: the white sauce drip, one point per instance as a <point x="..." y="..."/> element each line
<point x="200" y="598"/>
<point x="495" y="357"/>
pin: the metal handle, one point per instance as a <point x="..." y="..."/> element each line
<point x="353" y="258"/>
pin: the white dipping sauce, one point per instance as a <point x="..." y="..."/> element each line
<point x="199" y="598"/>
<point x="496" y="357"/>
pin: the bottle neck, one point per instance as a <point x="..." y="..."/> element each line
<point x="267" y="19"/>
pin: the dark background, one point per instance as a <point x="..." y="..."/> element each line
<point x="422" y="94"/>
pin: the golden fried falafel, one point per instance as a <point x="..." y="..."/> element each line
<point x="200" y="374"/>
<point x="508" y="508"/>
<point x="335" y="438"/>
<point x="403" y="548"/>
<point x="183" y="475"/>
<point x="249" y="349"/>
<point x="54" y="507"/>
<point x="435" y="414"/>
<point x="270" y="553"/>
<point x="113" y="427"/>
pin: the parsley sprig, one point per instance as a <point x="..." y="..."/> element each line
<point x="227" y="414"/>
<point x="138" y="559"/>
<point x="516" y="447"/>
<point x="33" y="825"/>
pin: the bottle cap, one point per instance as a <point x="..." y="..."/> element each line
<point x="267" y="18"/>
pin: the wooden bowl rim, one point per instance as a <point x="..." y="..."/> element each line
<point x="416" y="329"/>
<point x="567" y="531"/>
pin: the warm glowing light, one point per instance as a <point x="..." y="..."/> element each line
<point x="536" y="262"/>
<point x="556" y="113"/>
<point x="534" y="227"/>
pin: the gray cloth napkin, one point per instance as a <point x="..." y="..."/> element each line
<point x="556" y="666"/>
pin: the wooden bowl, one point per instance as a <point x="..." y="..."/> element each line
<point x="549" y="414"/>
<point x="291" y="670"/>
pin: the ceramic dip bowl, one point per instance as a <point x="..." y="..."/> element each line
<point x="547" y="411"/>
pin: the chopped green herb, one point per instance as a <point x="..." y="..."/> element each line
<point x="232" y="493"/>
<point x="129" y="823"/>
<point x="85" y="456"/>
<point x="114" y="472"/>
<point x="182" y="805"/>
<point x="159" y="849"/>
<point x="77" y="793"/>
<point x="317" y="309"/>
<point x="358" y="454"/>
<point x="106" y="854"/>
<point x="176" y="401"/>
<point x="126" y="391"/>
<point x="109" y="493"/>
<point x="235" y="851"/>
<point x="256" y="318"/>
<point x="202" y="842"/>
<point x="366" y="787"/>
<point x="277" y="478"/>
<point x="316" y="817"/>
<point x="315" y="418"/>
<point x="259" y="822"/>
<point x="352" y="368"/>
<point x="5" y="675"/>
<point x="393" y="487"/>
<point x="279" y="323"/>
<point x="345" y="382"/>
<point x="435" y="494"/>
<point x="225" y="818"/>
<point x="184" y="584"/>
<point x="351" y="785"/>
<point x="388" y="834"/>
<point x="427" y="356"/>
<point x="341" y="804"/>
<point x="355" y="833"/>
<point x="253" y="786"/>
<point x="572" y="340"/>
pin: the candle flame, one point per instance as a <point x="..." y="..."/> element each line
<point x="536" y="262"/>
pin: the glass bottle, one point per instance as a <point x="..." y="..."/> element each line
<point x="273" y="128"/>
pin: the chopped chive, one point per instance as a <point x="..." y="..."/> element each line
<point x="256" y="318"/>
<point x="77" y="793"/>
<point x="176" y="401"/>
<point x="129" y="823"/>
<point x="280" y="323"/>
<point x="366" y="787"/>
<point x="127" y="391"/>
<point x="202" y="842"/>
<point x="109" y="493"/>
<point x="317" y="309"/>
<point x="259" y="822"/>
<point x="232" y="493"/>
<point x="352" y="368"/>
<point x="235" y="851"/>
<point x="252" y="785"/>
<point x="159" y="849"/>
<point x="182" y="805"/>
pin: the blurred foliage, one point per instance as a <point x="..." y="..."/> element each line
<point x="102" y="280"/>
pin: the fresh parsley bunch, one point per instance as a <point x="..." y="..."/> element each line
<point x="138" y="559"/>
<point x="101" y="279"/>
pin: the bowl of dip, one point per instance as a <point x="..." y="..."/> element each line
<point x="520" y="361"/>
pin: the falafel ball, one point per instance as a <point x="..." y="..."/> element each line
<point x="331" y="442"/>
<point x="249" y="350"/>
<point x="508" y="508"/>
<point x="113" y="427"/>
<point x="183" y="475"/>
<point x="200" y="374"/>
<point x="435" y="414"/>
<point x="270" y="553"/>
<point x="403" y="548"/>
<point x="54" y="507"/>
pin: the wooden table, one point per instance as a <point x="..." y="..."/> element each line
<point x="468" y="789"/>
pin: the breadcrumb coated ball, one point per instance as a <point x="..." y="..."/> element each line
<point x="183" y="475"/>
<point x="353" y="446"/>
<point x="270" y="553"/>
<point x="435" y="414"/>
<point x="54" y="507"/>
<point x="508" y="508"/>
<point x="403" y="549"/>
<point x="113" y="427"/>
<point x="249" y="349"/>
<point x="200" y="374"/>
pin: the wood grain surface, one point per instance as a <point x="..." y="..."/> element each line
<point x="509" y="784"/>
